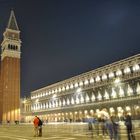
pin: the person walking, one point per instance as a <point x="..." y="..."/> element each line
<point x="103" y="126"/>
<point x="109" y="126"/>
<point x="36" y="122"/>
<point x="40" y="127"/>
<point x="115" y="122"/>
<point x="128" y="123"/>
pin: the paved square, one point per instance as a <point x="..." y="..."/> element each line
<point x="64" y="131"/>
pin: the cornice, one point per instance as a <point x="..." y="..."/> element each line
<point x="93" y="73"/>
<point x="10" y="54"/>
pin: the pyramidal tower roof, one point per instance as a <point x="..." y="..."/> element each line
<point x="12" y="24"/>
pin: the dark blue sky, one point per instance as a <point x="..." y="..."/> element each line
<point x="64" y="38"/>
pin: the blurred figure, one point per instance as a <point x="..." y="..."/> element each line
<point x="108" y="123"/>
<point x="90" y="126"/>
<point x="36" y="122"/>
<point x="103" y="126"/>
<point x="40" y="123"/>
<point x="115" y="123"/>
<point x="128" y="123"/>
<point x="109" y="126"/>
<point x="96" y="125"/>
<point x="8" y="122"/>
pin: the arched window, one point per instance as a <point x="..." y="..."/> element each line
<point x="60" y="103"/>
<point x="77" y="100"/>
<point x="138" y="88"/>
<point x="93" y="97"/>
<point x="72" y="100"/>
<point x="113" y="94"/>
<point x="106" y="95"/>
<point x="99" y="96"/>
<point x="9" y="46"/>
<point x="16" y="47"/>
<point x="129" y="90"/>
<point x="64" y="103"/>
<point x="82" y="99"/>
<point x="56" y="103"/>
<point x="87" y="98"/>
<point x="121" y="92"/>
<point x="68" y="101"/>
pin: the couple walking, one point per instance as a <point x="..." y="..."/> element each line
<point x="37" y="127"/>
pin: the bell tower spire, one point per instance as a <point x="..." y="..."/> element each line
<point x="10" y="72"/>
<point x="11" y="39"/>
<point x="12" y="24"/>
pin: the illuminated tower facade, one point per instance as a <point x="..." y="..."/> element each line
<point x="10" y="72"/>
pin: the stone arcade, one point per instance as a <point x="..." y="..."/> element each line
<point x="115" y="87"/>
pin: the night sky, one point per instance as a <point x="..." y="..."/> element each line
<point x="64" y="38"/>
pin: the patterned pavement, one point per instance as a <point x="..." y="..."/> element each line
<point x="62" y="131"/>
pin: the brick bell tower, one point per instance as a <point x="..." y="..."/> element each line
<point x="10" y="72"/>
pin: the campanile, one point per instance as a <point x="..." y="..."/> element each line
<point x="10" y="72"/>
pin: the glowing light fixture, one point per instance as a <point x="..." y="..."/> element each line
<point x="82" y="99"/>
<point x="114" y="94"/>
<point x="63" y="88"/>
<point x="118" y="72"/>
<point x="111" y="75"/>
<point x="67" y="87"/>
<point x="81" y="83"/>
<point x="91" y="80"/>
<point x="76" y="85"/>
<point x="136" y="67"/>
<point x="121" y="92"/>
<point x="127" y="70"/>
<point x="93" y="97"/>
<point x="106" y="96"/>
<point x="97" y="79"/>
<point x="117" y="81"/>
<point x="36" y="100"/>
<point x="138" y="88"/>
<point x="99" y="96"/>
<point x="54" y="96"/>
<point x="86" y="82"/>
<point x="72" y="101"/>
<point x="60" y="89"/>
<point x="104" y="76"/>
<point x="71" y="86"/>
<point x="78" y="90"/>
<point x="87" y="98"/>
<point x="130" y="90"/>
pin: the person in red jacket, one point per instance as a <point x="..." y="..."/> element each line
<point x="36" y="122"/>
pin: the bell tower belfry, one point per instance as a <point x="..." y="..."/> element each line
<point x="10" y="72"/>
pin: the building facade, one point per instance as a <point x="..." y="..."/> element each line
<point x="10" y="72"/>
<point x="114" y="87"/>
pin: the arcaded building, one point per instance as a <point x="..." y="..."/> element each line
<point x="10" y="72"/>
<point x="114" y="87"/>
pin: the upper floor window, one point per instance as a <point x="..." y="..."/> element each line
<point x="104" y="77"/>
<point x="76" y="85"/>
<point x="91" y="80"/>
<point x="71" y="86"/>
<point x="136" y="67"/>
<point x="111" y="75"/>
<point x="127" y="70"/>
<point x="97" y="78"/>
<point x="86" y="82"/>
<point x="67" y="87"/>
<point x="81" y="83"/>
<point x="118" y="72"/>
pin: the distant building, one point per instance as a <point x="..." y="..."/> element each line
<point x="10" y="72"/>
<point x="114" y="87"/>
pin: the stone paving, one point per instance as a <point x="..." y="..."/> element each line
<point x="62" y="131"/>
